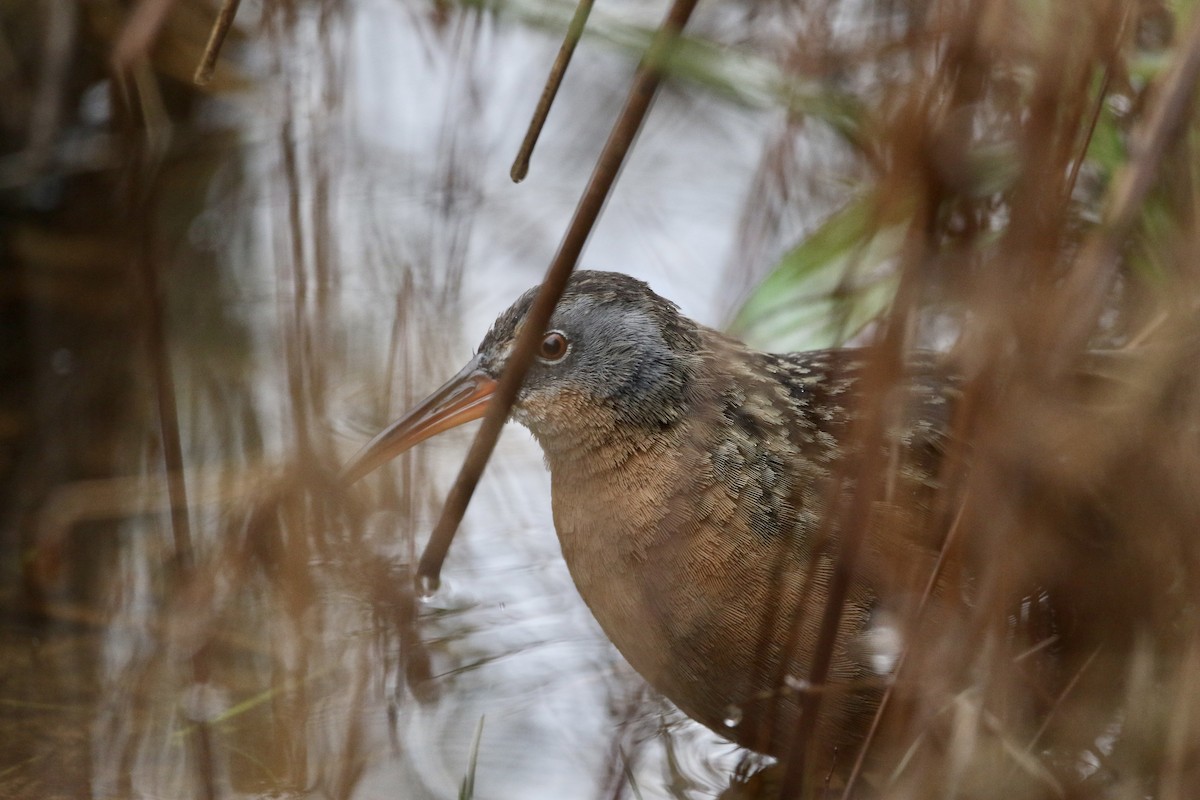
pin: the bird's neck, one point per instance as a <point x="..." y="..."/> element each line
<point x="587" y="440"/>
<point x="604" y="451"/>
<point x="727" y="422"/>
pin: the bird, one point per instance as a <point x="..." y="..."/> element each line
<point x="692" y="482"/>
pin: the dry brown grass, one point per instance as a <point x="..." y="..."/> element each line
<point x="1065" y="665"/>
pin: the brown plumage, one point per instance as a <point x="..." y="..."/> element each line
<point x="691" y="484"/>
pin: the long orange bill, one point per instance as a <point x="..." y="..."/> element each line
<point x="462" y="399"/>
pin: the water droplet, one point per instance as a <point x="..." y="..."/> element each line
<point x="799" y="685"/>
<point x="427" y="586"/>
<point x="733" y="716"/>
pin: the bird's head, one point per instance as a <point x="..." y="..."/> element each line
<point x="616" y="358"/>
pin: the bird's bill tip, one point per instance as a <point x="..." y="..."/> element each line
<point x="461" y="399"/>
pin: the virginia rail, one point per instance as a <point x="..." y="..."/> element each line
<point x="690" y="477"/>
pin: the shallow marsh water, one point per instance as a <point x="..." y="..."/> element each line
<point x="335" y="264"/>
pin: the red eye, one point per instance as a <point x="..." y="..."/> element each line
<point x="554" y="346"/>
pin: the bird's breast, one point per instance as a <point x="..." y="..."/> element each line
<point x="697" y="600"/>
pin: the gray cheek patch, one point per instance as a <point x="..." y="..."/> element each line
<point x="625" y="355"/>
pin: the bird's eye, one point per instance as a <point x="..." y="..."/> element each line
<point x="554" y="346"/>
